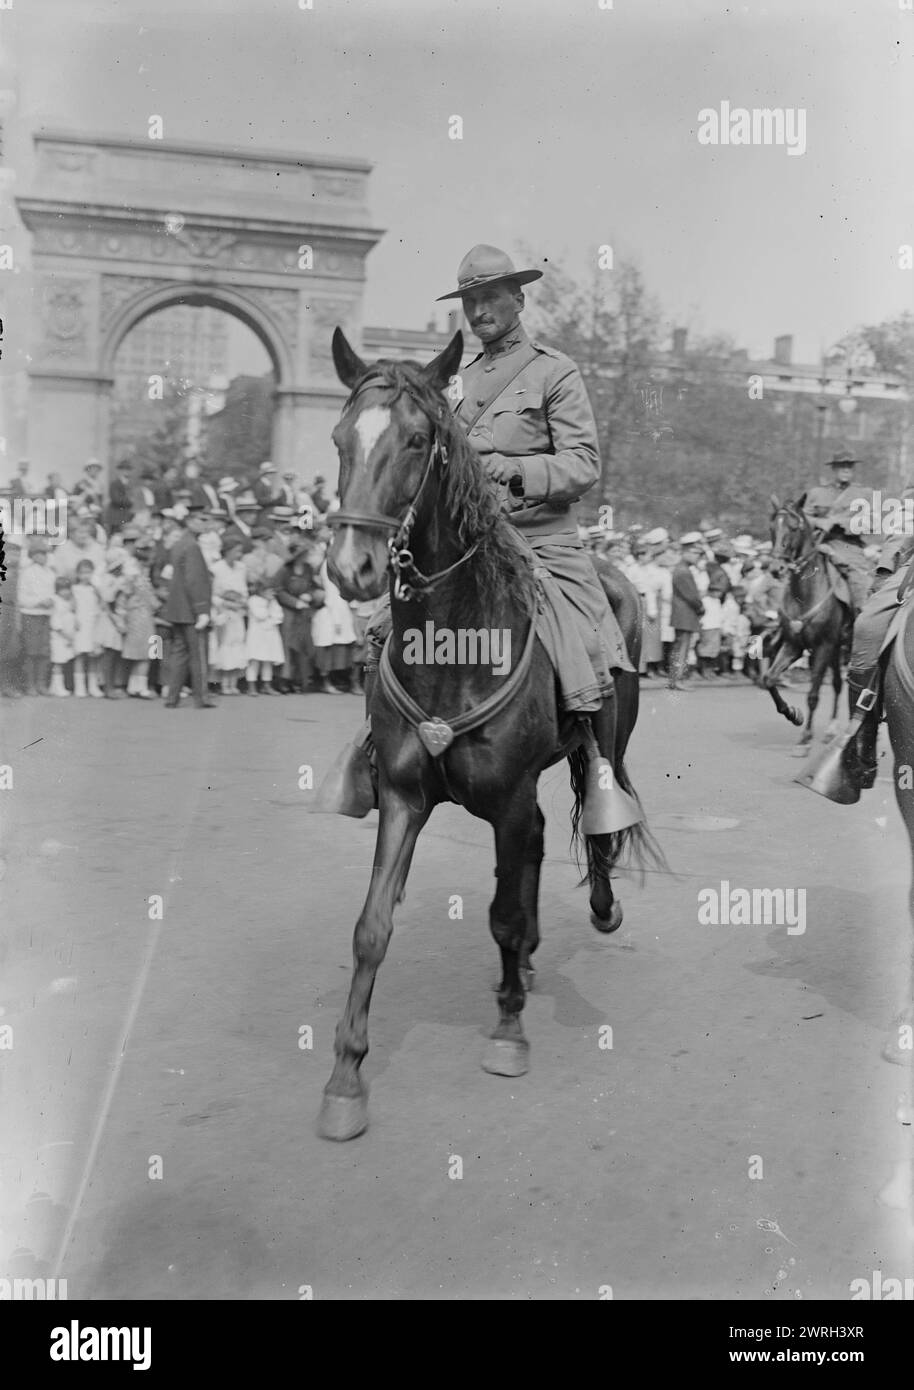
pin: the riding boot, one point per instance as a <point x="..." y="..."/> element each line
<point x="847" y="766"/>
<point x="860" y="755"/>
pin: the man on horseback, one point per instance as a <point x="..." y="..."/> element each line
<point x="856" y="767"/>
<point x="525" y="411"/>
<point x="828" y="508"/>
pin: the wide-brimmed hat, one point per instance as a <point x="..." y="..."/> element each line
<point x="282" y="514"/>
<point x="842" y="458"/>
<point x="247" y="502"/>
<point x="658" y="536"/>
<point x="227" y="485"/>
<point x="92" y="463"/>
<point x="267" y="467"/>
<point x="487" y="265"/>
<point x="713" y="533"/>
<point x="692" y="538"/>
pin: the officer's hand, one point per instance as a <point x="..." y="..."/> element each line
<point x="202" y="622"/>
<point x="500" y="469"/>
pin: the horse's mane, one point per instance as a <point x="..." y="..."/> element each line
<point x="500" y="569"/>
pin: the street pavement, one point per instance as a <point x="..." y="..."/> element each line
<point x="176" y="952"/>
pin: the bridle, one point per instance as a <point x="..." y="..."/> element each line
<point x="409" y="581"/>
<point x="798" y="565"/>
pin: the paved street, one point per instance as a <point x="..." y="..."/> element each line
<point x="739" y="1139"/>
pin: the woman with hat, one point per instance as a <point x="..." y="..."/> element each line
<point x="299" y="593"/>
<point x="112" y="618"/>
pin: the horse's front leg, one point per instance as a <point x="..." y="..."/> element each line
<point x="784" y="655"/>
<point x="344" y="1112"/>
<point x="818" y="666"/>
<point x="508" y="1052"/>
<point x="529" y="895"/>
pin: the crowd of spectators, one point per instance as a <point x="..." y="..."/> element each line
<point x="85" y="615"/>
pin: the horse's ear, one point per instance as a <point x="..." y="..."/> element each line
<point x="800" y="503"/>
<point x="349" y="366"/>
<point x="775" y="504"/>
<point x="440" y="370"/>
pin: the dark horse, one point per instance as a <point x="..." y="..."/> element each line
<point x="812" y="617"/>
<point x="898" y="697"/>
<point x="415" y="502"/>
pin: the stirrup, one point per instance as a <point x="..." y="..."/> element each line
<point x="350" y="788"/>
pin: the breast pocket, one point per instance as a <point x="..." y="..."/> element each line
<point x="519" y="425"/>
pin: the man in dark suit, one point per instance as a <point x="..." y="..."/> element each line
<point x="120" y="499"/>
<point x="187" y="608"/>
<point x="687" y="607"/>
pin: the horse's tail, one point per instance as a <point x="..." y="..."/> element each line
<point x="634" y="847"/>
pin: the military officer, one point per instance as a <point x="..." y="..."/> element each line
<point x="828" y="507"/>
<point x="526" y="413"/>
<point x="890" y="586"/>
<point x="525" y="410"/>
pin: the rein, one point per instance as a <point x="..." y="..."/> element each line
<point x="796" y="568"/>
<point x="409" y="581"/>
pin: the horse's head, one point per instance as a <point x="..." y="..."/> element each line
<point x="387" y="439"/>
<point x="790" y="533"/>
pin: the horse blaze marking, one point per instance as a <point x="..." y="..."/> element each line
<point x="370" y="425"/>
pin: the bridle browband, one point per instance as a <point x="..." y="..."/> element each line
<point x="797" y="566"/>
<point x="409" y="581"/>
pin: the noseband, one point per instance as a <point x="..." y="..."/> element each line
<point x="795" y="566"/>
<point x="409" y="581"/>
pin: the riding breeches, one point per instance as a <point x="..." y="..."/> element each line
<point x="871" y="626"/>
<point x="855" y="568"/>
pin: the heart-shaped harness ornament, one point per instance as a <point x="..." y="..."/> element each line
<point x="436" y="736"/>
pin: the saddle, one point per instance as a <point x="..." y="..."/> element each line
<point x="840" y="587"/>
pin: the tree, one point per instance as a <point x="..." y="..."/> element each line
<point x="239" y="436"/>
<point x="609" y="327"/>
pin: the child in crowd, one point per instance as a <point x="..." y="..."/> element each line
<point x="736" y="629"/>
<point x="85" y="648"/>
<point x="63" y="634"/>
<point x="264" y="644"/>
<point x="230" y="641"/>
<point x="36" y="602"/>
<point x="112" y="619"/>
<point x="140" y="604"/>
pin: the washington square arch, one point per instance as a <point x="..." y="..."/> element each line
<point x="121" y="229"/>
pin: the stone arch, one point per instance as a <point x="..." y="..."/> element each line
<point x="123" y="228"/>
<point x="240" y="305"/>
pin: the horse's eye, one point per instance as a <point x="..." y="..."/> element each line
<point x="417" y="441"/>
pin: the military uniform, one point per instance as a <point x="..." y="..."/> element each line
<point x="829" y="508"/>
<point x="527" y="415"/>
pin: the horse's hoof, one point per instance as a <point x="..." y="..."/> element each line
<point x="507" y="1057"/>
<point x="342" y="1117"/>
<point x="801" y="751"/>
<point x="795" y="716"/>
<point x="610" y="923"/>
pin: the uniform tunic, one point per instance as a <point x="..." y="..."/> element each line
<point x="829" y="507"/>
<point x="540" y="430"/>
